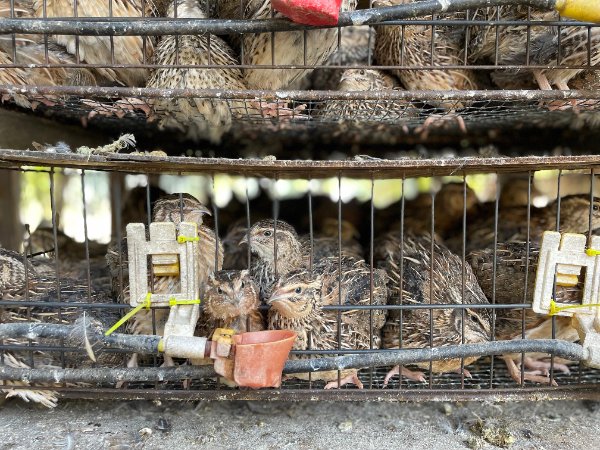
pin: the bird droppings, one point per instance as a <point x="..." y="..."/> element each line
<point x="345" y="426"/>
<point x="494" y="431"/>
<point x="163" y="425"/>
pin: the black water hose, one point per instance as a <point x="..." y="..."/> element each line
<point x="149" y="344"/>
<point x="116" y="26"/>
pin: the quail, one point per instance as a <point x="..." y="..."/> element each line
<point x="56" y="76"/>
<point x="236" y="255"/>
<point x="197" y="117"/>
<point x="289" y="48"/>
<point x="355" y="48"/>
<point x="135" y="206"/>
<point x="297" y="303"/>
<point x="452" y="202"/>
<point x="277" y="257"/>
<point x="513" y="225"/>
<point x="366" y="80"/>
<point x="515" y="271"/>
<point x="231" y="301"/>
<point x="411" y="45"/>
<point x="134" y="50"/>
<point x="416" y="278"/>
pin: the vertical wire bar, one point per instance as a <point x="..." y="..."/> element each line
<point x="216" y="224"/>
<point x="153" y="311"/>
<point x="85" y="234"/>
<point x="310" y="262"/>
<point x="590" y="225"/>
<point x="558" y="200"/>
<point x="494" y="267"/>
<point x="432" y="257"/>
<point x="463" y="278"/>
<point x="30" y="342"/>
<point x="275" y="217"/>
<point x="111" y="38"/>
<point x="497" y="41"/>
<point x="248" y="224"/>
<point x="117" y="223"/>
<point x="371" y="272"/>
<point x="527" y="253"/>
<point x="401" y="298"/>
<point x="56" y="257"/>
<point x="339" y="255"/>
<point x="310" y="228"/>
<point x="75" y="14"/>
<point x="528" y="42"/>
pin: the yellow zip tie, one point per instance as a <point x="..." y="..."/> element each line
<point x="129" y="315"/>
<point x="592" y="252"/>
<point x="554" y="309"/>
<point x="184" y="239"/>
<point x="174" y="301"/>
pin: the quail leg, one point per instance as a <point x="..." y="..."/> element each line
<point x="438" y="121"/>
<point x="534" y="376"/>
<point x="279" y="109"/>
<point x="464" y="372"/>
<point x="131" y="364"/>
<point x="352" y="378"/>
<point x="545" y="366"/>
<point x="410" y="374"/>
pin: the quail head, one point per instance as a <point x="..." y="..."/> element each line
<point x="231" y="301"/>
<point x="278" y="251"/>
<point x="514" y="265"/>
<point x="297" y="303"/>
<point x="418" y="277"/>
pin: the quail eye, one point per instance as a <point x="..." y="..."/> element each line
<point x="596" y="207"/>
<point x="298" y="290"/>
<point x="362" y="72"/>
<point x="219" y="291"/>
<point x="243" y="284"/>
<point x="267" y="233"/>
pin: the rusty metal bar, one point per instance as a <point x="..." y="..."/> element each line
<point x="155" y="27"/>
<point x="381" y="168"/>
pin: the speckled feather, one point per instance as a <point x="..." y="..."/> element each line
<point x="414" y="276"/>
<point x="97" y="49"/>
<point x="410" y="45"/>
<point x="198" y="118"/>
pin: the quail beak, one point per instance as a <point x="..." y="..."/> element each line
<point x="204" y="210"/>
<point x="244" y="240"/>
<point x="278" y="296"/>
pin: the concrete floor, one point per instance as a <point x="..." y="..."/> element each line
<point x="303" y="425"/>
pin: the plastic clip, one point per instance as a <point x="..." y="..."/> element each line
<point x="184" y="239"/>
<point x="173" y="302"/>
<point x="129" y="315"/>
<point x="555" y="309"/>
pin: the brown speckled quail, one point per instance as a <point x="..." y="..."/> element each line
<point x="55" y="76"/>
<point x="516" y="266"/>
<point x="364" y="80"/>
<point x="236" y="254"/>
<point x="410" y="45"/>
<point x="491" y="45"/>
<point x="356" y="43"/>
<point x="97" y="49"/>
<point x="416" y="279"/>
<point x="297" y="300"/>
<point x="293" y="252"/>
<point x="289" y="46"/>
<point x="512" y="222"/>
<point x="450" y="205"/>
<point x="545" y="43"/>
<point x="198" y="118"/>
<point x="231" y="301"/>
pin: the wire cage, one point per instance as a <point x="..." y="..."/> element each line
<point x="393" y="73"/>
<point x="486" y="214"/>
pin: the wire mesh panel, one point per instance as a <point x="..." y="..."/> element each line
<point x="359" y="258"/>
<point x="209" y="70"/>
